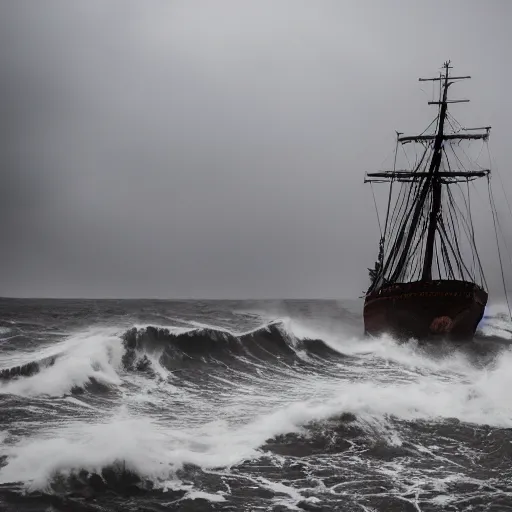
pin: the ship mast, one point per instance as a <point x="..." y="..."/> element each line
<point x="435" y="180"/>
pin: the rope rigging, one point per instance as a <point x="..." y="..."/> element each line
<point x="407" y="222"/>
<point x="494" y="216"/>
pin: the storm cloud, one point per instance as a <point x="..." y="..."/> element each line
<point x="217" y="148"/>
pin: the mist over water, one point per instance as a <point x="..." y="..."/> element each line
<point x="156" y="405"/>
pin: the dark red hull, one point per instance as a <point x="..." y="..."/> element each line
<point x="425" y="310"/>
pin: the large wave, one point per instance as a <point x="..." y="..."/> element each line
<point x="269" y="342"/>
<point x="101" y="356"/>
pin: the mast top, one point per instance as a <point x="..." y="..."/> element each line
<point x="445" y="81"/>
<point x="446" y="67"/>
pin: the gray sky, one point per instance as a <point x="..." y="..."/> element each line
<point x="217" y="148"/>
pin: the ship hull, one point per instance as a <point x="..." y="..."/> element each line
<point x="425" y="310"/>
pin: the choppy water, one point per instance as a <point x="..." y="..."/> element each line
<point x="159" y="405"/>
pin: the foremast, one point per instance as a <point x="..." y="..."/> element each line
<point x="428" y="195"/>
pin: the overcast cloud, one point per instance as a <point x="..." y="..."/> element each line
<point x="217" y="148"/>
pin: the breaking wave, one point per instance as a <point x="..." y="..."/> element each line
<point x="102" y="356"/>
<point x="270" y="341"/>
<point x="86" y="358"/>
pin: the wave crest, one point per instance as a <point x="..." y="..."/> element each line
<point x="271" y="341"/>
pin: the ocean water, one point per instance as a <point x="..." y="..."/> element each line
<point x="142" y="405"/>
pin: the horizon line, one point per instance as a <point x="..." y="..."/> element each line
<point x="6" y="297"/>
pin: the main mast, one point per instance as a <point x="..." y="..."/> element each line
<point x="434" y="180"/>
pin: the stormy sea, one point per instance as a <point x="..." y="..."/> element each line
<point x="142" y="405"/>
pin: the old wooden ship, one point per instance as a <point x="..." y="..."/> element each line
<point x="426" y="283"/>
